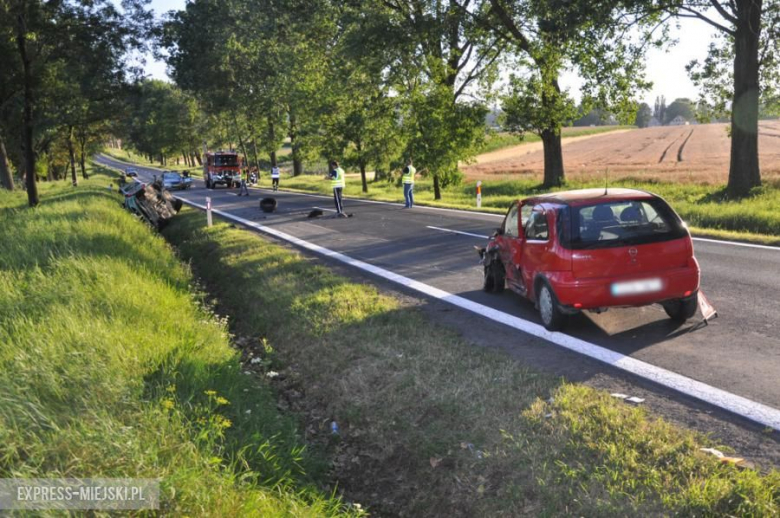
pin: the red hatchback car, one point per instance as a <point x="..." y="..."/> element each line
<point x="594" y="249"/>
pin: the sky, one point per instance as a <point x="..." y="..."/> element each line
<point x="665" y="68"/>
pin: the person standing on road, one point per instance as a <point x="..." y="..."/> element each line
<point x="275" y="177"/>
<point x="408" y="178"/>
<point x="244" y="191"/>
<point x="337" y="182"/>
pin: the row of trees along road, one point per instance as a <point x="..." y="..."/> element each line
<point x="375" y="81"/>
<point x="63" y="75"/>
<point x="371" y="82"/>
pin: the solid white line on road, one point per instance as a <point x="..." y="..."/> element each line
<point x="739" y="405"/>
<point x="458" y="232"/>
<point x="748" y="245"/>
<point x="467" y="212"/>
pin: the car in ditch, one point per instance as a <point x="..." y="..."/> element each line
<point x="174" y="181"/>
<point x="593" y="249"/>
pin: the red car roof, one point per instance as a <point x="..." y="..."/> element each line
<point x="588" y="196"/>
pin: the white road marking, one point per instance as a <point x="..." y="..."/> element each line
<point x="739" y="405"/>
<point x="458" y="232"/>
<point x="465" y="212"/>
<point x="322" y="208"/>
<point x="735" y="243"/>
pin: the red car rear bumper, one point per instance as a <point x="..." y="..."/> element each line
<point x="598" y="293"/>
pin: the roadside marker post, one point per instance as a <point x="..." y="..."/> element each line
<point x="208" y="211"/>
<point x="479" y="193"/>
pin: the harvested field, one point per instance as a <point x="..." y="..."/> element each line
<point x="698" y="153"/>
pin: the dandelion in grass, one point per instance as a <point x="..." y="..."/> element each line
<point x="167" y="404"/>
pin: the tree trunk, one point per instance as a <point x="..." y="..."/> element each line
<point x="359" y="147"/>
<point x="272" y="139"/>
<point x="436" y="187"/>
<point x="50" y="172"/>
<point x="553" y="158"/>
<point x="363" y="175"/>
<point x="72" y="154"/>
<point x="241" y="141"/>
<point x="27" y="127"/>
<point x="295" y="147"/>
<point x="6" y="179"/>
<point x="82" y="160"/>
<point x="254" y="150"/>
<point x="744" y="172"/>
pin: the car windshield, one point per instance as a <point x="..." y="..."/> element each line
<point x="618" y="223"/>
<point x="171" y="176"/>
<point x="226" y="160"/>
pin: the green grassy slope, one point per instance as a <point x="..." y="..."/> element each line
<point x="111" y="365"/>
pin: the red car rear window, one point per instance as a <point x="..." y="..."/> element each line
<point x="618" y="223"/>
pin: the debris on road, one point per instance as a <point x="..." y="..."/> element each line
<point x="268" y="204"/>
<point x="736" y="461"/>
<point x="626" y="397"/>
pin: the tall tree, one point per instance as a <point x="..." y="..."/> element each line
<point x="591" y="36"/>
<point x="442" y="66"/>
<point x="643" y="115"/>
<point x="750" y="40"/>
<point x="51" y="38"/>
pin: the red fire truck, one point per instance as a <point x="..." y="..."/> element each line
<point x="221" y="167"/>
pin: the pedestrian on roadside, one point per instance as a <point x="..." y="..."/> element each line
<point x="275" y="177"/>
<point x="408" y="178"/>
<point x="337" y="182"/>
<point x="244" y="190"/>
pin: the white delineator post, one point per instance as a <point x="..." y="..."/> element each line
<point x="208" y="211"/>
<point x="479" y="193"/>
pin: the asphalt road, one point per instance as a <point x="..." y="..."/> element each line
<point x="738" y="352"/>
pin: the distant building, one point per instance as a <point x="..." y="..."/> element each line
<point x="653" y="122"/>
<point x="679" y="121"/>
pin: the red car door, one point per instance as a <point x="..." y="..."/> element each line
<point x="536" y="247"/>
<point x="511" y="244"/>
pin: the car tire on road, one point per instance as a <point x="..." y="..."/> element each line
<point x="552" y="317"/>
<point x="681" y="310"/>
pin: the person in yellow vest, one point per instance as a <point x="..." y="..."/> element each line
<point x="243" y="190"/>
<point x="337" y="182"/>
<point x="408" y="178"/>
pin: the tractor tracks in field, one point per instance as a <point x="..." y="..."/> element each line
<point x="682" y="147"/>
<point x="679" y="150"/>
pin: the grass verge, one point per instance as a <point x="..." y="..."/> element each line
<point x="431" y="426"/>
<point x="112" y="365"/>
